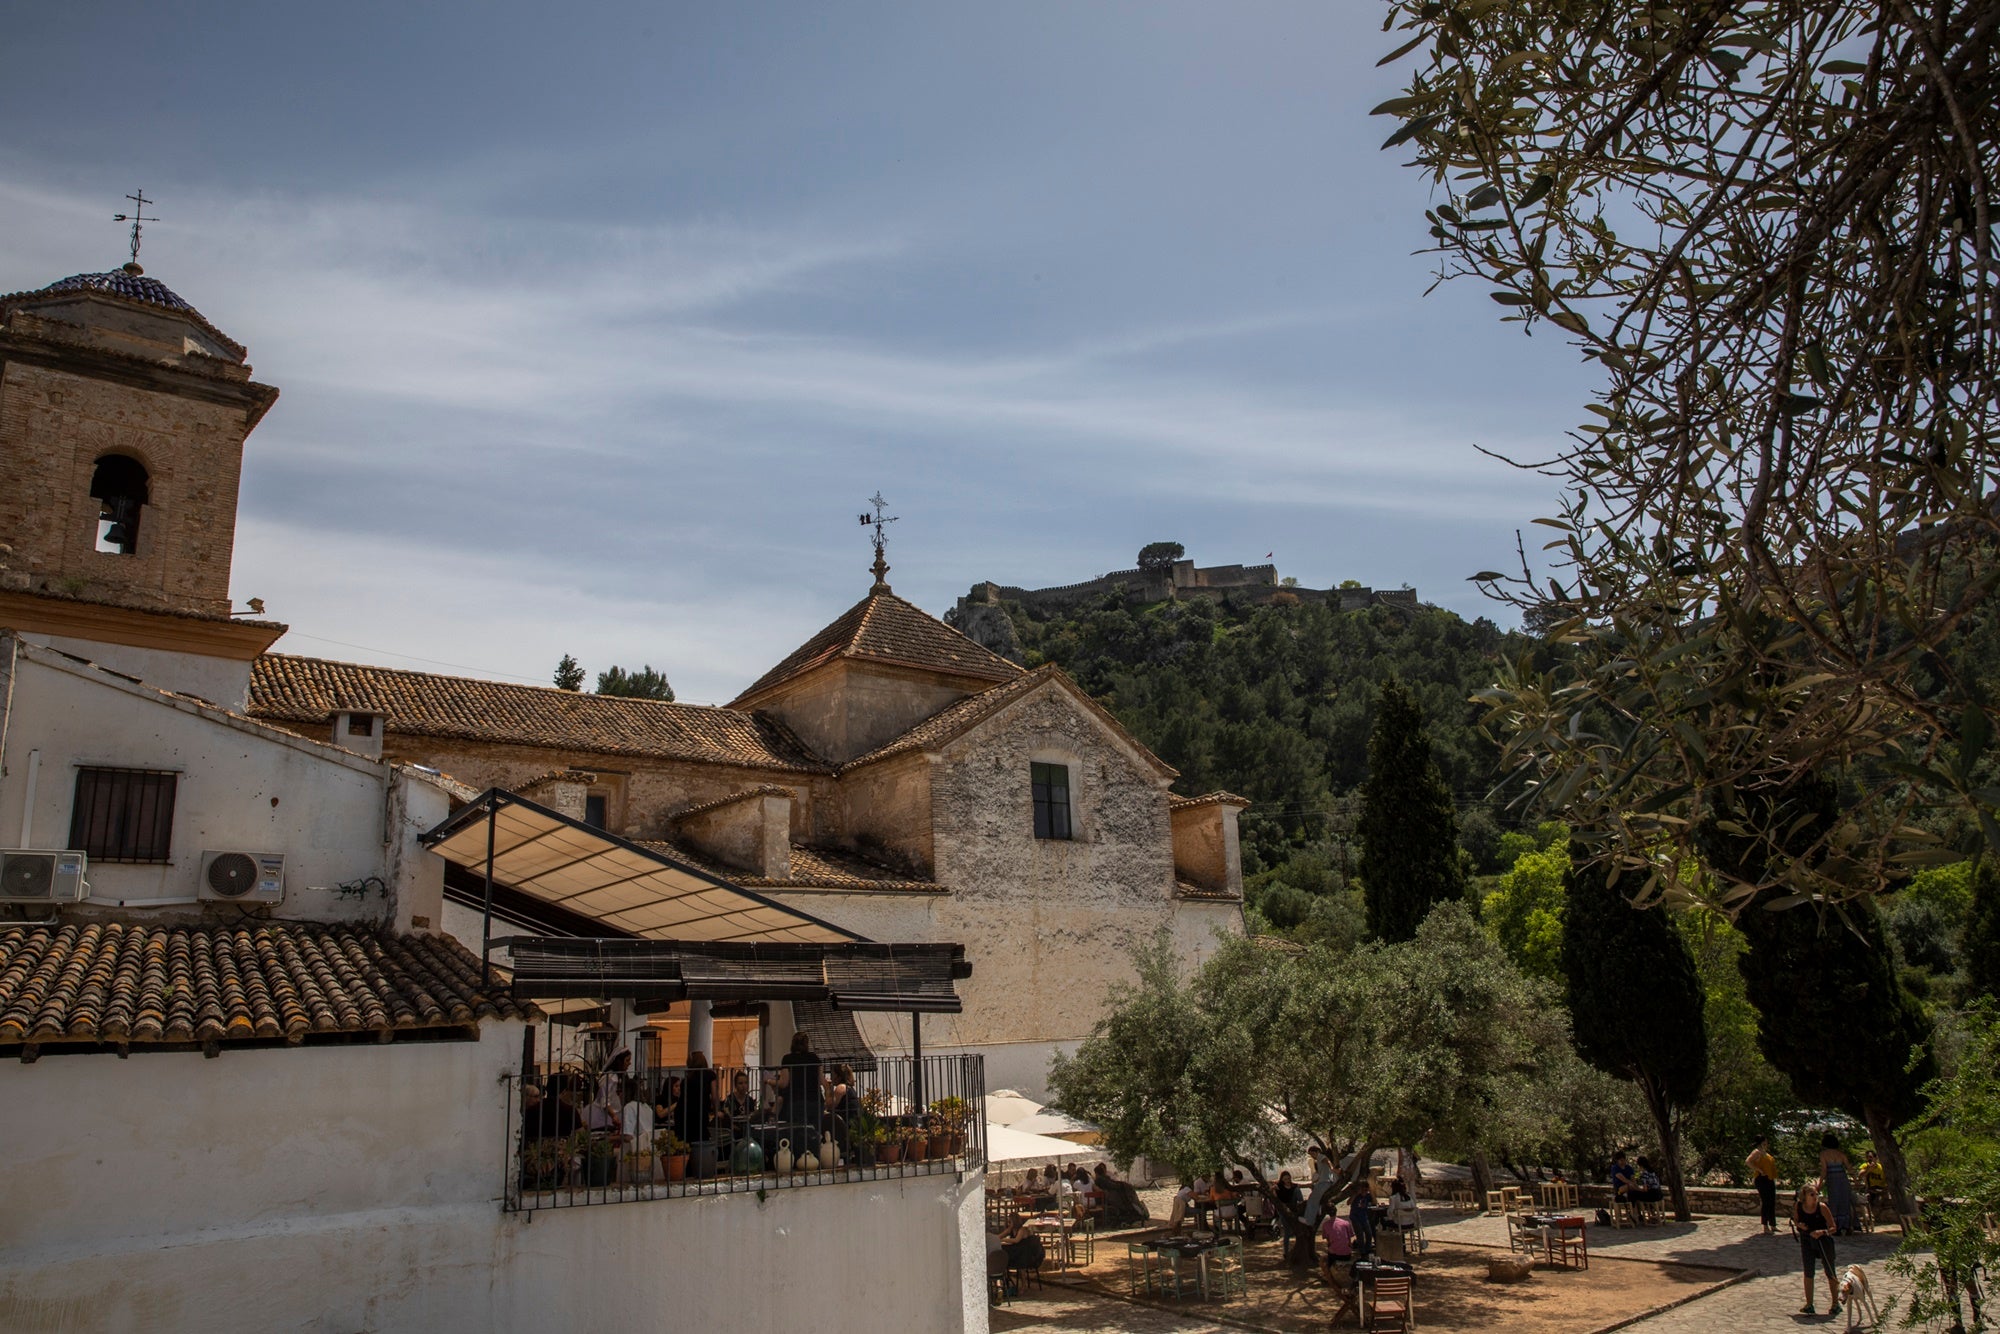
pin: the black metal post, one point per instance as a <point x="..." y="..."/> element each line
<point x="486" y="923"/>
<point x="917" y="1064"/>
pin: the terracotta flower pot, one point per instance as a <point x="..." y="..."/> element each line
<point x="677" y="1167"/>
<point x="891" y="1152"/>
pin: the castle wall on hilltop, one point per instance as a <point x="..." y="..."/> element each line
<point x="1183" y="579"/>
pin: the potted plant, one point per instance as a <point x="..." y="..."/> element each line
<point x="916" y="1143"/>
<point x="867" y="1134"/>
<point x="673" y="1150"/>
<point x="593" y="1159"/>
<point x="541" y="1164"/>
<point x="952" y="1115"/>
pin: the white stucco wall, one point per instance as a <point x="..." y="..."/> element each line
<point x="223" y="681"/>
<point x="347" y="1189"/>
<point x="337" y="818"/>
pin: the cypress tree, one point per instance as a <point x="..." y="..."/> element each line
<point x="1980" y="944"/>
<point x="1409" y="830"/>
<point x="1832" y="1014"/>
<point x="1636" y="1007"/>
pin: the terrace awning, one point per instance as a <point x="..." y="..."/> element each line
<point x="848" y="975"/>
<point x="557" y="860"/>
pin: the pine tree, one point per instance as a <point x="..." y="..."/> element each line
<point x="1636" y="1007"/>
<point x="1408" y="828"/>
<point x="642" y="684"/>
<point x="569" y="674"/>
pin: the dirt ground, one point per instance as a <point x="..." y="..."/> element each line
<point x="1451" y="1290"/>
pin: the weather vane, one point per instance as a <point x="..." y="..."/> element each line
<point x="881" y="539"/>
<point x="136" y="217"/>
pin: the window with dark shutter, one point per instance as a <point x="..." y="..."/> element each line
<point x="1051" y="784"/>
<point x="594" y="807"/>
<point x="123" y="815"/>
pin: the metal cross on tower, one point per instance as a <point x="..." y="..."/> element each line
<point x="135" y="217"/>
<point x="881" y="539"/>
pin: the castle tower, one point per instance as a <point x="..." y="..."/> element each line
<point x="123" y="414"/>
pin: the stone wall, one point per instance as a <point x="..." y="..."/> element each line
<point x="53" y="428"/>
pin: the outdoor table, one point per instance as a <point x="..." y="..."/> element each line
<point x="1198" y="1251"/>
<point x="1056" y="1226"/>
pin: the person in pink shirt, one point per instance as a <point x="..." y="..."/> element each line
<point x="1338" y="1234"/>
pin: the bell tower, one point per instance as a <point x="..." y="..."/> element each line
<point x="123" y="414"/>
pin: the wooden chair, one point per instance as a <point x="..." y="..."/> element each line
<point x="1624" y="1213"/>
<point x="1228" y="1276"/>
<point x="1572" y="1246"/>
<point x="1139" y="1263"/>
<point x="1521" y="1235"/>
<point x="1463" y="1199"/>
<point x="1496" y="1202"/>
<point x="1392" y="1306"/>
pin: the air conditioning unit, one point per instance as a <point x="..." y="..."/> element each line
<point x="42" y="877"/>
<point x="242" y="877"/>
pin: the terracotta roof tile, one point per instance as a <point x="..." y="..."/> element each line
<point x="941" y="727"/>
<point x="1209" y="799"/>
<point x="884" y="628"/>
<point x="126" y="982"/>
<point x="812" y="868"/>
<point x="309" y="690"/>
<point x="730" y="799"/>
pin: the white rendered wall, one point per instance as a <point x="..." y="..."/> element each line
<point x="347" y="1189"/>
<point x="223" y="681"/>
<point x="336" y="817"/>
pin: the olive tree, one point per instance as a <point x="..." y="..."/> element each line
<point x="1770" y="225"/>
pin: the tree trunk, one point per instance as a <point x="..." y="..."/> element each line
<point x="1895" y="1172"/>
<point x="1670" y="1149"/>
<point x="1482" y="1176"/>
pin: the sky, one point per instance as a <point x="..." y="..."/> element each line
<point x="597" y="325"/>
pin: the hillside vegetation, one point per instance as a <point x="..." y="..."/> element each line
<point x="1275" y="703"/>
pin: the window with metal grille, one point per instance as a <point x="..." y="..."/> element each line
<point x="1051" y="784"/>
<point x="123" y="815"/>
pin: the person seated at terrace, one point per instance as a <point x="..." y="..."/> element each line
<point x="841" y="1102"/>
<point x="1402" y="1208"/>
<point x="635" y="1122"/>
<point x="1023" y="1247"/>
<point x="1338" y="1234"/>
<point x="1648" y="1186"/>
<point x="1624" y="1181"/>
<point x="1122" y="1205"/>
<point x="544" y="1117"/>
<point x="667" y="1105"/>
<point x="739" y="1106"/>
<point x="1032" y="1183"/>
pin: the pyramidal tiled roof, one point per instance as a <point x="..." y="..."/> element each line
<point x="884" y="628"/>
<point x="309" y="690"/>
<point x="130" y="287"/>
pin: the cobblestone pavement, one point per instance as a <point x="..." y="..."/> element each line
<point x="1767" y="1302"/>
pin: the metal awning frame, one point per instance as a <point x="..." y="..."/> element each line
<point x="487" y="808"/>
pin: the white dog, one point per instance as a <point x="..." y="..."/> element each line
<point x="1854" y="1295"/>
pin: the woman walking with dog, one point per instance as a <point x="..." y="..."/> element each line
<point x="1812" y="1223"/>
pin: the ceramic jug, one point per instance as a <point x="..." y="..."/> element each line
<point x="783" y="1159"/>
<point x="807" y="1163"/>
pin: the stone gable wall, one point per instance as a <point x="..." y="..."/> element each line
<point x="1047" y="923"/>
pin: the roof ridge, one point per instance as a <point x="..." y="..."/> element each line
<point x="892" y="630"/>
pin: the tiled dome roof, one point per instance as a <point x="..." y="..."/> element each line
<point x="135" y="287"/>
<point x="131" y="286"/>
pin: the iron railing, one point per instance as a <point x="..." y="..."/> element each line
<point x="585" y="1135"/>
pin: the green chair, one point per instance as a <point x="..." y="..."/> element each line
<point x="1228" y="1276"/>
<point x="1139" y="1259"/>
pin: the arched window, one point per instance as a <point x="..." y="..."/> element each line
<point x="119" y="486"/>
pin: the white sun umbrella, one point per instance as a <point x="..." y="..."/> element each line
<point x="1004" y="1144"/>
<point x="1058" y="1125"/>
<point x="1004" y="1107"/>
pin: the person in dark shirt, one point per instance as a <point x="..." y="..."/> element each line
<point x="799" y="1085"/>
<point x="694" y="1118"/>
